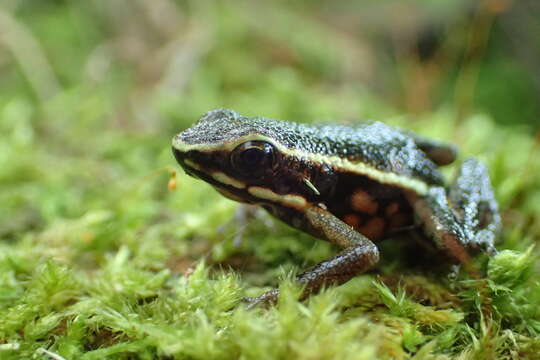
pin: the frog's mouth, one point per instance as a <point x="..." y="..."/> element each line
<point x="224" y="184"/>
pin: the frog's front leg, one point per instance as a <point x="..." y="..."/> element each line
<point x="359" y="255"/>
<point x="464" y="218"/>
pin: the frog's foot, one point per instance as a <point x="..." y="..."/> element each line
<point x="485" y="239"/>
<point x="243" y="214"/>
<point x="465" y="218"/>
<point x="454" y="272"/>
<point x="335" y="271"/>
<point x="268" y="298"/>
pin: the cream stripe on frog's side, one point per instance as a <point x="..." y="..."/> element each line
<point x="227" y="180"/>
<point x="192" y="164"/>
<point x="384" y="177"/>
<point x="294" y="201"/>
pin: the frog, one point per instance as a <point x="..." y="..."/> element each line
<point x="350" y="185"/>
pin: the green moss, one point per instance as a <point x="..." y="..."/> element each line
<point x="99" y="260"/>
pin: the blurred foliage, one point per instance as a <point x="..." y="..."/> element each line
<point x="98" y="259"/>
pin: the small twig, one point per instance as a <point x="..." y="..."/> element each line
<point x="9" y="346"/>
<point x="50" y="354"/>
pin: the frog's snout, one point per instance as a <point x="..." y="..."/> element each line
<point x="178" y="156"/>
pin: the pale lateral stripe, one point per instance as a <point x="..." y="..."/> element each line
<point x="287" y="199"/>
<point x="227" y="180"/>
<point x="229" y="194"/>
<point x="218" y="175"/>
<point x="192" y="164"/>
<point x="418" y="186"/>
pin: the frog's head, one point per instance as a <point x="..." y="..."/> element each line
<point x="244" y="158"/>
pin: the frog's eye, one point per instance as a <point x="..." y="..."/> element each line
<point x="253" y="157"/>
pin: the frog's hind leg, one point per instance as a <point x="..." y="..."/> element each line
<point x="466" y="218"/>
<point x="473" y="201"/>
<point x="441" y="223"/>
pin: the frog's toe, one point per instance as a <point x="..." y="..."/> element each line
<point x="268" y="298"/>
<point x="453" y="275"/>
<point x="485" y="240"/>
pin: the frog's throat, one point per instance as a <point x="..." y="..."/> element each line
<point x="418" y="186"/>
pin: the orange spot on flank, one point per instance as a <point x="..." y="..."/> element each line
<point x="392" y="209"/>
<point x="373" y="229"/>
<point x="352" y="220"/>
<point x="363" y="202"/>
<point x="399" y="220"/>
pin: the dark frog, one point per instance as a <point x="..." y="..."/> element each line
<point x="347" y="185"/>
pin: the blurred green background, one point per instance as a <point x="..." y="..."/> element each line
<point x="151" y="65"/>
<point x="93" y="245"/>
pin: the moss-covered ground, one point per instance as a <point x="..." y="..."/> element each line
<point x="108" y="251"/>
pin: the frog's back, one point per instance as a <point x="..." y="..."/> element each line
<point x="371" y="147"/>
